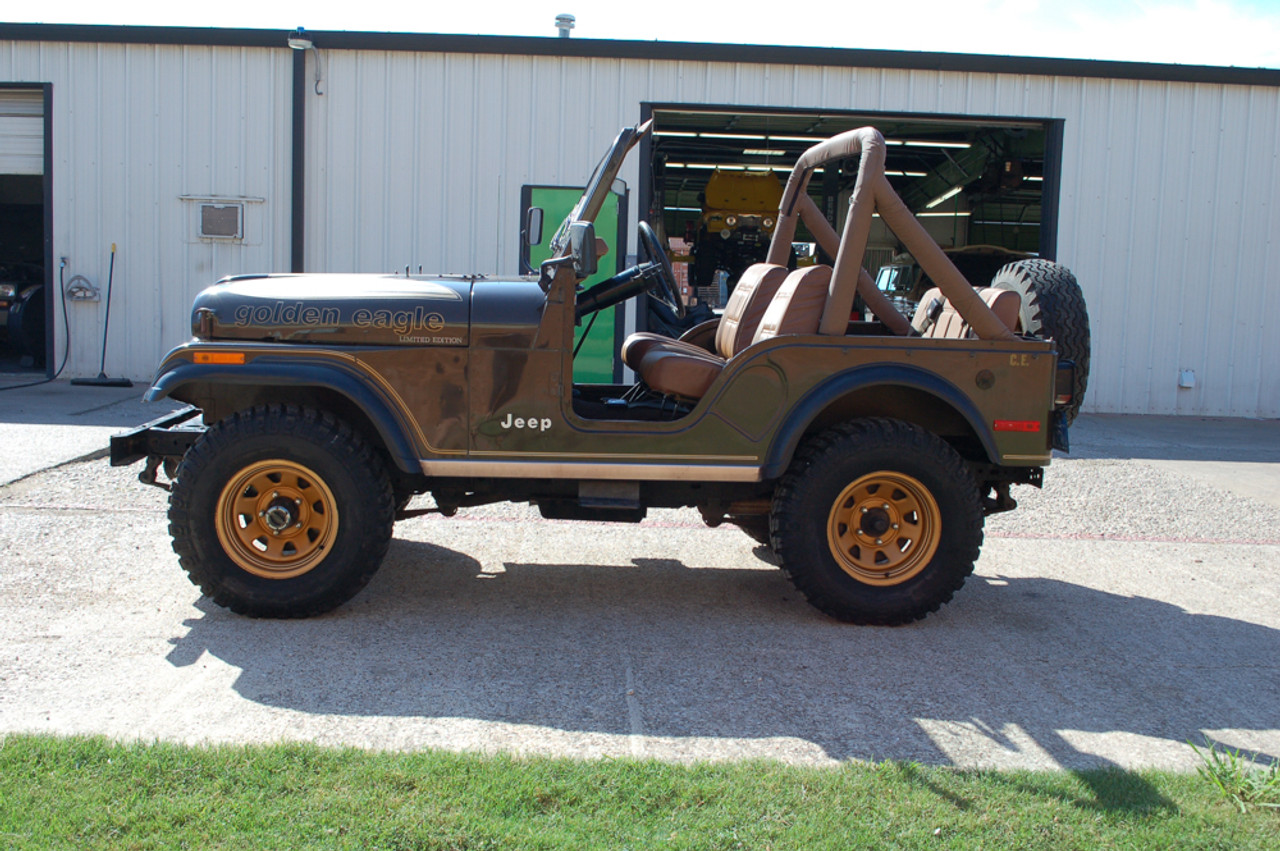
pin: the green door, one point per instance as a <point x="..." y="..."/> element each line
<point x="596" y="362"/>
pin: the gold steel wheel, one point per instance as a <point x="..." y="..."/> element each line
<point x="884" y="528"/>
<point x="276" y="519"/>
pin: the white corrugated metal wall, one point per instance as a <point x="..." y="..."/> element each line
<point x="136" y="128"/>
<point x="1166" y="210"/>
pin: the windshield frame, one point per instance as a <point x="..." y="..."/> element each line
<point x="598" y="185"/>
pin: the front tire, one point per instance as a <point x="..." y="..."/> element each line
<point x="877" y="522"/>
<point x="281" y="512"/>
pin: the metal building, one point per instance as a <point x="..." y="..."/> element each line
<point x="202" y="153"/>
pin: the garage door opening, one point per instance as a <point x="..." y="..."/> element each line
<point x="23" y="221"/>
<point x="714" y="176"/>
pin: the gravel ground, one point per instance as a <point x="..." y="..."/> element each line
<point x="1119" y="613"/>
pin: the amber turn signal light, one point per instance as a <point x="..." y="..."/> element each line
<point x="220" y="357"/>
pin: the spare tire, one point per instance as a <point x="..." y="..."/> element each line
<point x="1052" y="307"/>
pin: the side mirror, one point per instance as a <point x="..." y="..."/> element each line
<point x="533" y="226"/>
<point x="582" y="247"/>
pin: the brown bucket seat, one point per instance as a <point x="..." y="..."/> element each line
<point x="796" y="308"/>
<point x="751" y="296"/>
<point x="948" y="323"/>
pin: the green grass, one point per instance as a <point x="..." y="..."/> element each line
<point x="1241" y="779"/>
<point x="91" y="793"/>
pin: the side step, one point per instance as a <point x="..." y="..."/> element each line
<point x="615" y="502"/>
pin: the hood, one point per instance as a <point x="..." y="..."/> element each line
<point x="381" y="310"/>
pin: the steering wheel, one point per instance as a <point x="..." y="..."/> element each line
<point x="654" y="275"/>
<point x="652" y="250"/>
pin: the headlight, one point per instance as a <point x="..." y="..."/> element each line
<point x="768" y="222"/>
<point x="8" y="291"/>
<point x="731" y="221"/>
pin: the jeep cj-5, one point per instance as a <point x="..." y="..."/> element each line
<point x="864" y="453"/>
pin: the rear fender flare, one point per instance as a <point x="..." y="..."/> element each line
<point x="824" y="395"/>
<point x="392" y="423"/>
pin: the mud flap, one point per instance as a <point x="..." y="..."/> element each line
<point x="1058" y="428"/>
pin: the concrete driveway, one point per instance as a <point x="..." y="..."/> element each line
<point x="1128" y="608"/>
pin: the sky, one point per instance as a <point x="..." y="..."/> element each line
<point x="1243" y="33"/>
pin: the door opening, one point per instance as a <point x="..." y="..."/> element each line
<point x="24" y="272"/>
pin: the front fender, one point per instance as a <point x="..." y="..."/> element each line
<point x="824" y="395"/>
<point x="347" y="379"/>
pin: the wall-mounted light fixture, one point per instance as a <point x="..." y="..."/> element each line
<point x="300" y="40"/>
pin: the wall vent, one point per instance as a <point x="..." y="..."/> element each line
<point x="222" y="221"/>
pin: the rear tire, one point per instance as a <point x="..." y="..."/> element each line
<point x="1053" y="307"/>
<point x="877" y="522"/>
<point x="281" y="512"/>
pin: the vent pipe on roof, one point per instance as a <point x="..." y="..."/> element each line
<point x="564" y="23"/>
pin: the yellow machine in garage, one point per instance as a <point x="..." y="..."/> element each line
<point x="739" y="212"/>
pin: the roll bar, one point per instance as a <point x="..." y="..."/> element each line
<point x="871" y="193"/>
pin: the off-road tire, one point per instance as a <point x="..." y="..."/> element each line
<point x="931" y="493"/>
<point x="1052" y="306"/>
<point x="344" y="508"/>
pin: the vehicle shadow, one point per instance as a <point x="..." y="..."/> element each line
<point x="1024" y="665"/>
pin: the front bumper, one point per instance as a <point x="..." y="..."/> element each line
<point x="165" y="437"/>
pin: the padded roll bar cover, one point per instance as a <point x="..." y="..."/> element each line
<point x="938" y="266"/>
<point x="826" y="236"/>
<point x="846" y="144"/>
<point x="873" y="193"/>
<point x="857" y="226"/>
